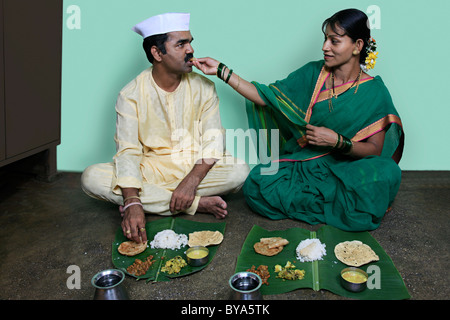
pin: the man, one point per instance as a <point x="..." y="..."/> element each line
<point x="170" y="142"/>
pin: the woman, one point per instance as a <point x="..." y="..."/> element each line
<point x="340" y="135"/>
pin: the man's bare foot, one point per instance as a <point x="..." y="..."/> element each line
<point x="215" y="205"/>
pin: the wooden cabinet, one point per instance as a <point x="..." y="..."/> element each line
<point x="30" y="73"/>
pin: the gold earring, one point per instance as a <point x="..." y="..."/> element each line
<point x="355" y="52"/>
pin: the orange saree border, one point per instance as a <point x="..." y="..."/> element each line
<point x="379" y="126"/>
<point x="325" y="94"/>
<point x="323" y="76"/>
<point x="376" y="127"/>
<point x="364" y="134"/>
<point x="319" y="96"/>
<point x="302" y="142"/>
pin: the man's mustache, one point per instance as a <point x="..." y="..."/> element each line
<point x="188" y="57"/>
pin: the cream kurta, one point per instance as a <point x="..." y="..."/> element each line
<point x="159" y="137"/>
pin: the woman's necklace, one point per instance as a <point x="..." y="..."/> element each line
<point x="332" y="94"/>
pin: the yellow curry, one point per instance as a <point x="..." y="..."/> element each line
<point x="354" y="277"/>
<point x="197" y="254"/>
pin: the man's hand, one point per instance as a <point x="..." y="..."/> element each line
<point x="184" y="195"/>
<point x="133" y="224"/>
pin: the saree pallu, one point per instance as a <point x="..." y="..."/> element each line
<point x="316" y="184"/>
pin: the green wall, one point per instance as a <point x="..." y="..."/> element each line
<point x="261" y="40"/>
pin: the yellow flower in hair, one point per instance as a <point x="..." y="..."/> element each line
<point x="371" y="60"/>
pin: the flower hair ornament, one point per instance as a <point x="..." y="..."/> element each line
<point x="372" y="55"/>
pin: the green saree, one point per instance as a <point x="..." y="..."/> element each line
<point x="315" y="184"/>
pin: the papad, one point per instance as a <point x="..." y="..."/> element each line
<point x="354" y="253"/>
<point x="205" y="238"/>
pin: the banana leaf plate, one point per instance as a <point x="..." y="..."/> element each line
<point x="180" y="226"/>
<point x="385" y="282"/>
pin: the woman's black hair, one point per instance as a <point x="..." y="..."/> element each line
<point x="355" y="24"/>
<point x="157" y="40"/>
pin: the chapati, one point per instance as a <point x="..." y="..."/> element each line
<point x="270" y="246"/>
<point x="131" y="248"/>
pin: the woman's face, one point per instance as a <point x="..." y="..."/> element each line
<point x="338" y="48"/>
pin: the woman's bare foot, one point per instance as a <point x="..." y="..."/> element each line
<point x="215" y="205"/>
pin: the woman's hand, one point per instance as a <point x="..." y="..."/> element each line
<point x="207" y="65"/>
<point x="321" y="136"/>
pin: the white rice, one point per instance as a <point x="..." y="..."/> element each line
<point x="168" y="239"/>
<point x="317" y="253"/>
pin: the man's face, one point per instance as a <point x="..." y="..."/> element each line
<point x="179" y="52"/>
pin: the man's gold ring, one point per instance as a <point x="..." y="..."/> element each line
<point x="128" y="232"/>
<point x="142" y="229"/>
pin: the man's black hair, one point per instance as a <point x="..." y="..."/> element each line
<point x="157" y="40"/>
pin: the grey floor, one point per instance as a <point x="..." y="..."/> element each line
<point x="47" y="227"/>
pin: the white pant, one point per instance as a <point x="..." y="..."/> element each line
<point x="224" y="177"/>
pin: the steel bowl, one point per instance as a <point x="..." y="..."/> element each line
<point x="354" y="286"/>
<point x="245" y="286"/>
<point x="108" y="285"/>
<point x="193" y="256"/>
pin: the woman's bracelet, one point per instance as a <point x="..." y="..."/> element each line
<point x="229" y="75"/>
<point x="221" y="69"/>
<point x="338" y="141"/>
<point x="345" y="146"/>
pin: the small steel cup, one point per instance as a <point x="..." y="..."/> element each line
<point x="197" y="262"/>
<point x="245" y="286"/>
<point x="108" y="285"/>
<point x="351" y="286"/>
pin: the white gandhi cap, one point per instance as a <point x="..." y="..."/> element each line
<point x="163" y="23"/>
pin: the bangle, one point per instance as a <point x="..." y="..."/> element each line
<point x="129" y="205"/>
<point x="223" y="72"/>
<point x="347" y="145"/>
<point x="131" y="197"/>
<point x="220" y="70"/>
<point x="338" y="141"/>
<point x="229" y="75"/>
